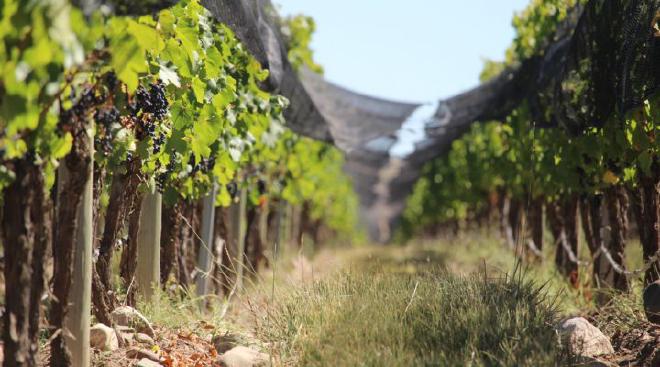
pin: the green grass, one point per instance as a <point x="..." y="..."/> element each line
<point x="472" y="251"/>
<point x="440" y="302"/>
<point x="377" y="315"/>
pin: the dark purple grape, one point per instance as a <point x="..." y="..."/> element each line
<point x="158" y="101"/>
<point x="107" y="116"/>
<point x="153" y="101"/>
<point x="158" y="142"/>
<point x="232" y="189"/>
<point x="88" y="99"/>
<point x="111" y="80"/>
<point x="161" y="179"/>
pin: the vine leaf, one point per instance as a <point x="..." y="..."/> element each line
<point x="169" y="76"/>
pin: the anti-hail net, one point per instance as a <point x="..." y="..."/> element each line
<point x="602" y="61"/>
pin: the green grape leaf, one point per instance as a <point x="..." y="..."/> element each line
<point x="147" y="37"/>
<point x="169" y="76"/>
<point x="214" y="63"/>
<point x="128" y="61"/>
<point x="173" y="54"/>
<point x="199" y="89"/>
<point x="189" y="40"/>
<point x="166" y="20"/>
<point x="39" y="55"/>
<point x="223" y="99"/>
<point x="204" y="135"/>
<point x="180" y="115"/>
<point x="61" y="146"/>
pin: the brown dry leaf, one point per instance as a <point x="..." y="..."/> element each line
<point x="206" y="325"/>
<point x="168" y="361"/>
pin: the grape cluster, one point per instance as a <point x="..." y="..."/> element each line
<point x="174" y="159"/>
<point x="106" y="116"/>
<point x="148" y="128"/>
<point x="110" y="80"/>
<point x="158" y="142"/>
<point x="232" y="189"/>
<point x="153" y="101"/>
<point x="103" y="144"/>
<point x="148" y="108"/>
<point x="192" y="163"/>
<point x="87" y="101"/>
<point x="207" y="164"/>
<point x="161" y="179"/>
<point x="204" y="166"/>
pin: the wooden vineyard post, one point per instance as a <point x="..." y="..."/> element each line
<point x="148" y="265"/>
<point x="205" y="255"/>
<point x="80" y="295"/>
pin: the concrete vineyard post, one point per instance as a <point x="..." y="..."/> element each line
<point x="205" y="249"/>
<point x="80" y="294"/>
<point x="148" y="265"/>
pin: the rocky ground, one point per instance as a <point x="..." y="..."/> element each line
<point x="138" y="342"/>
<point x="208" y="346"/>
<point x="639" y="346"/>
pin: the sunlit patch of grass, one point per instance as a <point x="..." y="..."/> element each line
<point x="178" y="308"/>
<point x="373" y="316"/>
<point x="486" y="251"/>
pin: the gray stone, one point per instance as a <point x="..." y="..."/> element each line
<point x="139" y="353"/>
<point x="145" y="362"/>
<point x="583" y="339"/>
<point x="244" y="357"/>
<point x="128" y="316"/>
<point x="125" y="329"/>
<point x="144" y="339"/>
<point x="225" y="342"/>
<point x="103" y="337"/>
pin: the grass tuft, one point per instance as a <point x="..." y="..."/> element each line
<point x="379" y="317"/>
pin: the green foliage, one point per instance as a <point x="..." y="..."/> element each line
<point x="536" y="25"/>
<point x="526" y="162"/>
<point x="310" y="172"/>
<point x="217" y="109"/>
<point x="215" y="125"/>
<point x="38" y="44"/>
<point x="299" y="30"/>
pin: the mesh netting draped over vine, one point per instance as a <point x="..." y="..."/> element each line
<point x="603" y="60"/>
